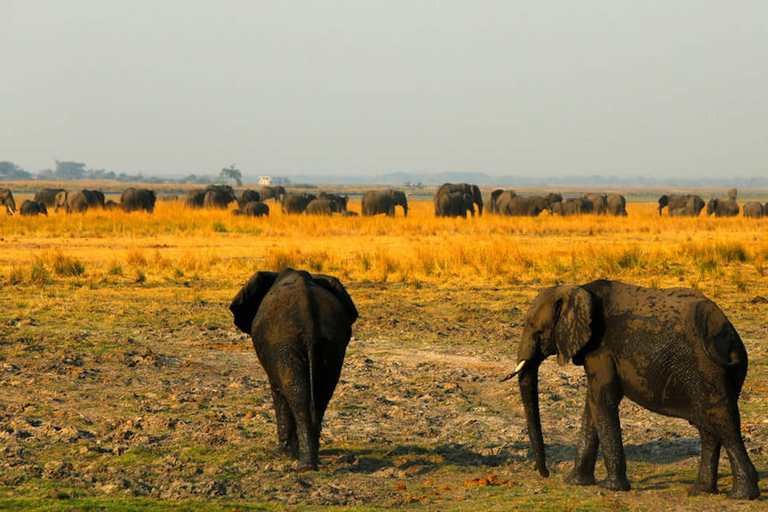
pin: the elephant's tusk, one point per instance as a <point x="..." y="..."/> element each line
<point x="517" y="370"/>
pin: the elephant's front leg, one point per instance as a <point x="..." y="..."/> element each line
<point x="583" y="472"/>
<point x="603" y="400"/>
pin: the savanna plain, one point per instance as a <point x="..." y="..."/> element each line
<point x="125" y="385"/>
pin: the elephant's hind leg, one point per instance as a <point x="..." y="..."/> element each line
<point x="287" y="440"/>
<point x="706" y="481"/>
<point x="583" y="472"/>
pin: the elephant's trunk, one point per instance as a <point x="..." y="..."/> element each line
<point x="529" y="393"/>
<point x="405" y="210"/>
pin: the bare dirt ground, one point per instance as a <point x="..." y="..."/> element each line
<point x="150" y="397"/>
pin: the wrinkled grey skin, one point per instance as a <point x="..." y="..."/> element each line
<point x="672" y="351"/>
<point x="47" y="196"/>
<point x="454" y="204"/>
<point x="294" y="202"/>
<point x="723" y="207"/>
<point x="341" y="201"/>
<point x="754" y="210"/>
<point x="376" y="202"/>
<point x="493" y="199"/>
<point x="219" y="196"/>
<point x="616" y="205"/>
<point x="31" y="208"/>
<point x="276" y="192"/>
<point x="468" y="188"/>
<point x="247" y="196"/>
<point x="80" y="201"/>
<point x="323" y="207"/>
<point x="7" y="201"/>
<point x="256" y="209"/>
<point x="681" y="205"/>
<point x="137" y="199"/>
<point x="530" y="206"/>
<point x="300" y="324"/>
<point x="599" y="203"/>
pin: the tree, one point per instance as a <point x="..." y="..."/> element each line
<point x="232" y="173"/>
<point x="69" y="170"/>
<point x="10" y="171"/>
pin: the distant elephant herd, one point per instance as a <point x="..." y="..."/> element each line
<point x="450" y="200"/>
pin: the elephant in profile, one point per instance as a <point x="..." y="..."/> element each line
<point x="323" y="207"/>
<point x="246" y="197"/>
<point x="754" y="209"/>
<point x="616" y="205"/>
<point x="296" y="202"/>
<point x="517" y="206"/>
<point x="6" y="199"/>
<point x="80" y="201"/>
<point x="376" y="202"/>
<point x="256" y="209"/>
<point x="681" y="205"/>
<point x="31" y="208"/>
<point x="454" y="204"/>
<point x="599" y="203"/>
<point x="276" y="192"/>
<point x="672" y="351"/>
<point x="723" y="207"/>
<point x="300" y="324"/>
<point x="218" y="196"/>
<point x="137" y="199"/>
<point x="340" y="200"/>
<point x="468" y="188"/>
<point x="47" y="196"/>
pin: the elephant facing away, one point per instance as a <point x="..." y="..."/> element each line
<point x="376" y="202"/>
<point x="296" y="202"/>
<point x="672" y="351"/>
<point x="256" y="209"/>
<point x="493" y="198"/>
<point x="6" y="199"/>
<point x="754" y="210"/>
<point x="137" y="199"/>
<point x="616" y="205"/>
<point x="681" y="205"/>
<point x="246" y="197"/>
<point x="454" y="204"/>
<point x="300" y="324"/>
<point x="47" y="196"/>
<point x="194" y="198"/>
<point x="218" y="196"/>
<point x="31" y="208"/>
<point x="723" y="207"/>
<point x="468" y="188"/>
<point x="599" y="203"/>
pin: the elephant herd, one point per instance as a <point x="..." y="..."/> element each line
<point x="132" y="199"/>
<point x="672" y="351"/>
<point x="691" y="205"/>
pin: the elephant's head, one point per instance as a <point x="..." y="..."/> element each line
<point x="6" y="199"/>
<point x="712" y="206"/>
<point x="478" y="199"/>
<point x="663" y="201"/>
<point x="399" y="199"/>
<point x="61" y="200"/>
<point x="560" y="321"/>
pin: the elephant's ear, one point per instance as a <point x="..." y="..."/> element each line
<point x="334" y="286"/>
<point x="247" y="301"/>
<point x="573" y="322"/>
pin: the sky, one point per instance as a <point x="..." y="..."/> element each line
<point x="362" y="87"/>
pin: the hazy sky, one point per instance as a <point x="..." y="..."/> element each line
<point x="654" y="88"/>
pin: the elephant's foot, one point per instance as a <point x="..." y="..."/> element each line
<point x="616" y="484"/>
<point x="576" y="478"/>
<point x="744" y="491"/>
<point x="307" y="466"/>
<point x="287" y="450"/>
<point x="703" y="489"/>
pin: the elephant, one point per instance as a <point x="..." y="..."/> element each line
<point x="493" y="199"/>
<point x="384" y="201"/>
<point x="732" y="193"/>
<point x="256" y="209"/>
<point x="681" y="205"/>
<point x="723" y="207"/>
<point x="276" y="192"/>
<point x="473" y="190"/>
<point x="530" y="206"/>
<point x="599" y="203"/>
<point x="341" y="201"/>
<point x="553" y="198"/>
<point x="349" y="213"/>
<point x="112" y="205"/>
<point x="6" y="199"/>
<point x="218" y="196"/>
<point x="33" y="208"/>
<point x="300" y="324"/>
<point x="135" y="199"/>
<point x="323" y="207"/>
<point x="47" y="196"/>
<point x="194" y="198"/>
<point x="294" y="202"/>
<point x="616" y="205"/>
<point x="80" y="201"/>
<point x="454" y="204"/>
<point x="754" y="209"/>
<point x="671" y="351"/>
<point x="247" y="196"/>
